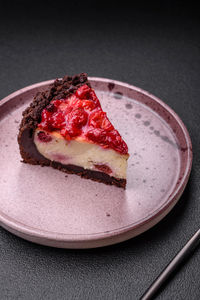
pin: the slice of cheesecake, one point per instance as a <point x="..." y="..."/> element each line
<point x="66" y="128"/>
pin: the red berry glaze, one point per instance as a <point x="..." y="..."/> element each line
<point x="43" y="137"/>
<point x="81" y="115"/>
<point x="103" y="168"/>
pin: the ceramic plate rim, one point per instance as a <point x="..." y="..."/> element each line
<point x="16" y="227"/>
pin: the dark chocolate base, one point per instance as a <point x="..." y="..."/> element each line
<point x="89" y="174"/>
<point x="31" y="117"/>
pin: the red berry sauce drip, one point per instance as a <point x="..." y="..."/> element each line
<point x="103" y="168"/>
<point x="43" y="137"/>
<point x="81" y="115"/>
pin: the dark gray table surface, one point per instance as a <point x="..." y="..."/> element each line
<point x="155" y="49"/>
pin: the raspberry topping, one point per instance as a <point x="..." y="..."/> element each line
<point x="81" y="115"/>
<point x="44" y="137"/>
<point x="103" y="168"/>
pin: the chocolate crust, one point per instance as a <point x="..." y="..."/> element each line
<point x="84" y="173"/>
<point x="60" y="89"/>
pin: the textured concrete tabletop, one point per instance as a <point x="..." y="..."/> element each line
<point x="155" y="48"/>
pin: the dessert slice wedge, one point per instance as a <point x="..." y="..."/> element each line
<point x="66" y="128"/>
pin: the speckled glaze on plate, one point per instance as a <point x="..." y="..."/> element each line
<point x="48" y="207"/>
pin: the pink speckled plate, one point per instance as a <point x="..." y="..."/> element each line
<point x="45" y="206"/>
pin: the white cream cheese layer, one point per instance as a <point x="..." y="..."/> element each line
<point x="80" y="153"/>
